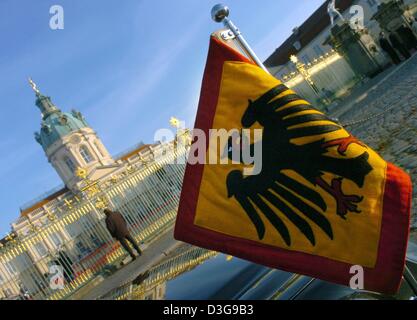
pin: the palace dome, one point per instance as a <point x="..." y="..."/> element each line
<point x="55" y="123"/>
<point x="58" y="124"/>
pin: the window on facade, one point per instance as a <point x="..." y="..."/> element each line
<point x="41" y="249"/>
<point x="86" y="154"/>
<point x="318" y="50"/>
<point x="39" y="282"/>
<point x="11" y="268"/>
<point x="72" y="230"/>
<point x="82" y="248"/>
<point x="56" y="239"/>
<point x="96" y="241"/>
<point x="305" y="59"/>
<point x="70" y="165"/>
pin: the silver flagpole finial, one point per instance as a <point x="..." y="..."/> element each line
<point x="220" y="13"/>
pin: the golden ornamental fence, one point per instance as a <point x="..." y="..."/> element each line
<point x="186" y="258"/>
<point x="74" y="237"/>
<point x="330" y="74"/>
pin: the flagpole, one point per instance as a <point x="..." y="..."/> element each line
<point x="220" y="13"/>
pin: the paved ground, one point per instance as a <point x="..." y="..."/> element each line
<point x="152" y="255"/>
<point x="394" y="132"/>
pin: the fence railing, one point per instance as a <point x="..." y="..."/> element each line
<point x="177" y="263"/>
<point x="331" y="75"/>
<point x="77" y="240"/>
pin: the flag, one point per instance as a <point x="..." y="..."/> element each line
<point x="322" y="202"/>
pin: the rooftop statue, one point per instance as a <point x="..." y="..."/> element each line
<point x="34" y="86"/>
<point x="333" y="12"/>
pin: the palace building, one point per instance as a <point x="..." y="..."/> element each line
<point x="65" y="228"/>
<point x="323" y="61"/>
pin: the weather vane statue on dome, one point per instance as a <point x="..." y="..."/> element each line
<point x="34" y="86"/>
<point x="333" y="12"/>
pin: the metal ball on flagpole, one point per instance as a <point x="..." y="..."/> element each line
<point x="220" y="13"/>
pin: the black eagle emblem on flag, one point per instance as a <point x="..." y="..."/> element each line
<point x="280" y="125"/>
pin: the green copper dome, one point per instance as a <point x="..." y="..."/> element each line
<point x="55" y="123"/>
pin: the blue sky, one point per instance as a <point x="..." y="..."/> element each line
<point x="128" y="66"/>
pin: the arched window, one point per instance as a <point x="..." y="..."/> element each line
<point x="70" y="165"/>
<point x="86" y="154"/>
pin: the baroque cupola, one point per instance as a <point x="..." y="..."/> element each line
<point x="68" y="141"/>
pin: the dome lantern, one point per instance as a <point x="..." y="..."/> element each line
<point x="44" y="103"/>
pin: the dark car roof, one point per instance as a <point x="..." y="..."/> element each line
<point x="229" y="278"/>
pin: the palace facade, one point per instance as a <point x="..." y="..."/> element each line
<point x="65" y="228"/>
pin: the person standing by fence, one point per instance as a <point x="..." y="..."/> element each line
<point x="117" y="227"/>
<point x="397" y="44"/>
<point x="386" y="46"/>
